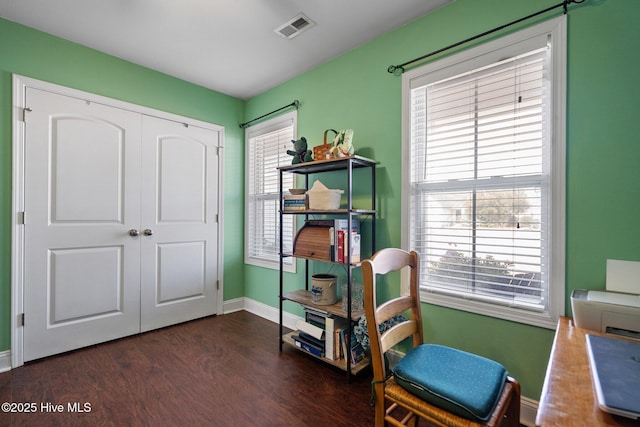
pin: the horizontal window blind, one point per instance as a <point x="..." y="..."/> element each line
<point x="479" y="186"/>
<point x="266" y="152"/>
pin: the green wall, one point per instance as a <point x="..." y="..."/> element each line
<point x="34" y="54"/>
<point x="603" y="149"/>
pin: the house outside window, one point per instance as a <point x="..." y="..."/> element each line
<point x="484" y="168"/>
<point x="266" y="146"/>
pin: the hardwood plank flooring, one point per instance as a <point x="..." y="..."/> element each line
<point x="217" y="371"/>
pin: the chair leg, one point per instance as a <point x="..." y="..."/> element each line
<point x="513" y="413"/>
<point x="379" y="405"/>
<point x="513" y="410"/>
<point x="380" y="415"/>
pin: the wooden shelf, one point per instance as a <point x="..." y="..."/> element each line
<point x="304" y="297"/>
<point x="342" y="363"/>
<point x="353" y="264"/>
<point x="329" y="165"/>
<point x="330" y="212"/>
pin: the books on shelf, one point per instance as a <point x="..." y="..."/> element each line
<point x="315" y="310"/>
<point x="356" y="353"/>
<point x="332" y="334"/>
<point x="294" y="202"/>
<point x="311" y="336"/>
<point x="311" y="340"/>
<point x="315" y="319"/>
<point x="341" y="245"/>
<point x="334" y="342"/>
<point x="310" y="329"/>
<point x="307" y="346"/>
<point x="330" y="326"/>
<point x="354" y="247"/>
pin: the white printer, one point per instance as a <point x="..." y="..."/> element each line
<point x="615" y="310"/>
<point x="606" y="311"/>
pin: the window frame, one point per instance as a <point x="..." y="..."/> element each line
<point x="484" y="54"/>
<point x="268" y="126"/>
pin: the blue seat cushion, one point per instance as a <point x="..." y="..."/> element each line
<point x="462" y="383"/>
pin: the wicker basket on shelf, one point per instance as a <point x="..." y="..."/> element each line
<point x="323" y="152"/>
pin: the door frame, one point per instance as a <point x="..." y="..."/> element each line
<point x="20" y="83"/>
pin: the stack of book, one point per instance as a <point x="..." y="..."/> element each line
<point x="319" y="333"/>
<point x="294" y="202"/>
<point x="325" y="335"/>
<point x="309" y="343"/>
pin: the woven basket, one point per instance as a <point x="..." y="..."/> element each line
<point x="322" y="152"/>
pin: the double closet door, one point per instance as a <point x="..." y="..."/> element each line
<point x="120" y="223"/>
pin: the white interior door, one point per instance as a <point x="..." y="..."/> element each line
<point x="179" y="220"/>
<point x="81" y="198"/>
<point x="121" y="211"/>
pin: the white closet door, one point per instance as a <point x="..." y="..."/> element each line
<point x="82" y="196"/>
<point x="179" y="221"/>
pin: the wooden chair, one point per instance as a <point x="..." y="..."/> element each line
<point x="386" y="387"/>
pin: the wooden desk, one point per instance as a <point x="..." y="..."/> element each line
<point x="568" y="397"/>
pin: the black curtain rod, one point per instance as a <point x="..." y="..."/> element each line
<point x="295" y="103"/>
<point x="399" y="69"/>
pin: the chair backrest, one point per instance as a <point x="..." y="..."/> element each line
<point x="408" y="303"/>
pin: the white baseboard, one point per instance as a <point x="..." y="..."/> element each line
<point x="233" y="305"/>
<point x="270" y="313"/>
<point x="5" y="361"/>
<point x="528" y="411"/>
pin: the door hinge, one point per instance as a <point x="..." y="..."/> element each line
<point x="218" y="285"/>
<point x="25" y="110"/>
<point x="217" y="215"/>
<point x="21" y="319"/>
<point x="20" y="218"/>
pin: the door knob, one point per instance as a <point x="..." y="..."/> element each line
<point x="148" y="232"/>
<point x="133" y="232"/>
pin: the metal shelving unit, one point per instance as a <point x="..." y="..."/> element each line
<point x="303" y="296"/>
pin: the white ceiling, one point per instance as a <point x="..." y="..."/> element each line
<point x="226" y="45"/>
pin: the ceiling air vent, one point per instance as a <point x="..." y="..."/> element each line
<point x="295" y="26"/>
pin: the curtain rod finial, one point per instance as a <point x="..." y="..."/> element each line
<point x="395" y="69"/>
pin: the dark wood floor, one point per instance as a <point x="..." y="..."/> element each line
<point x="217" y="371"/>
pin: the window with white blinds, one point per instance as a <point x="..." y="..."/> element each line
<point x="480" y="152"/>
<point x="266" y="149"/>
